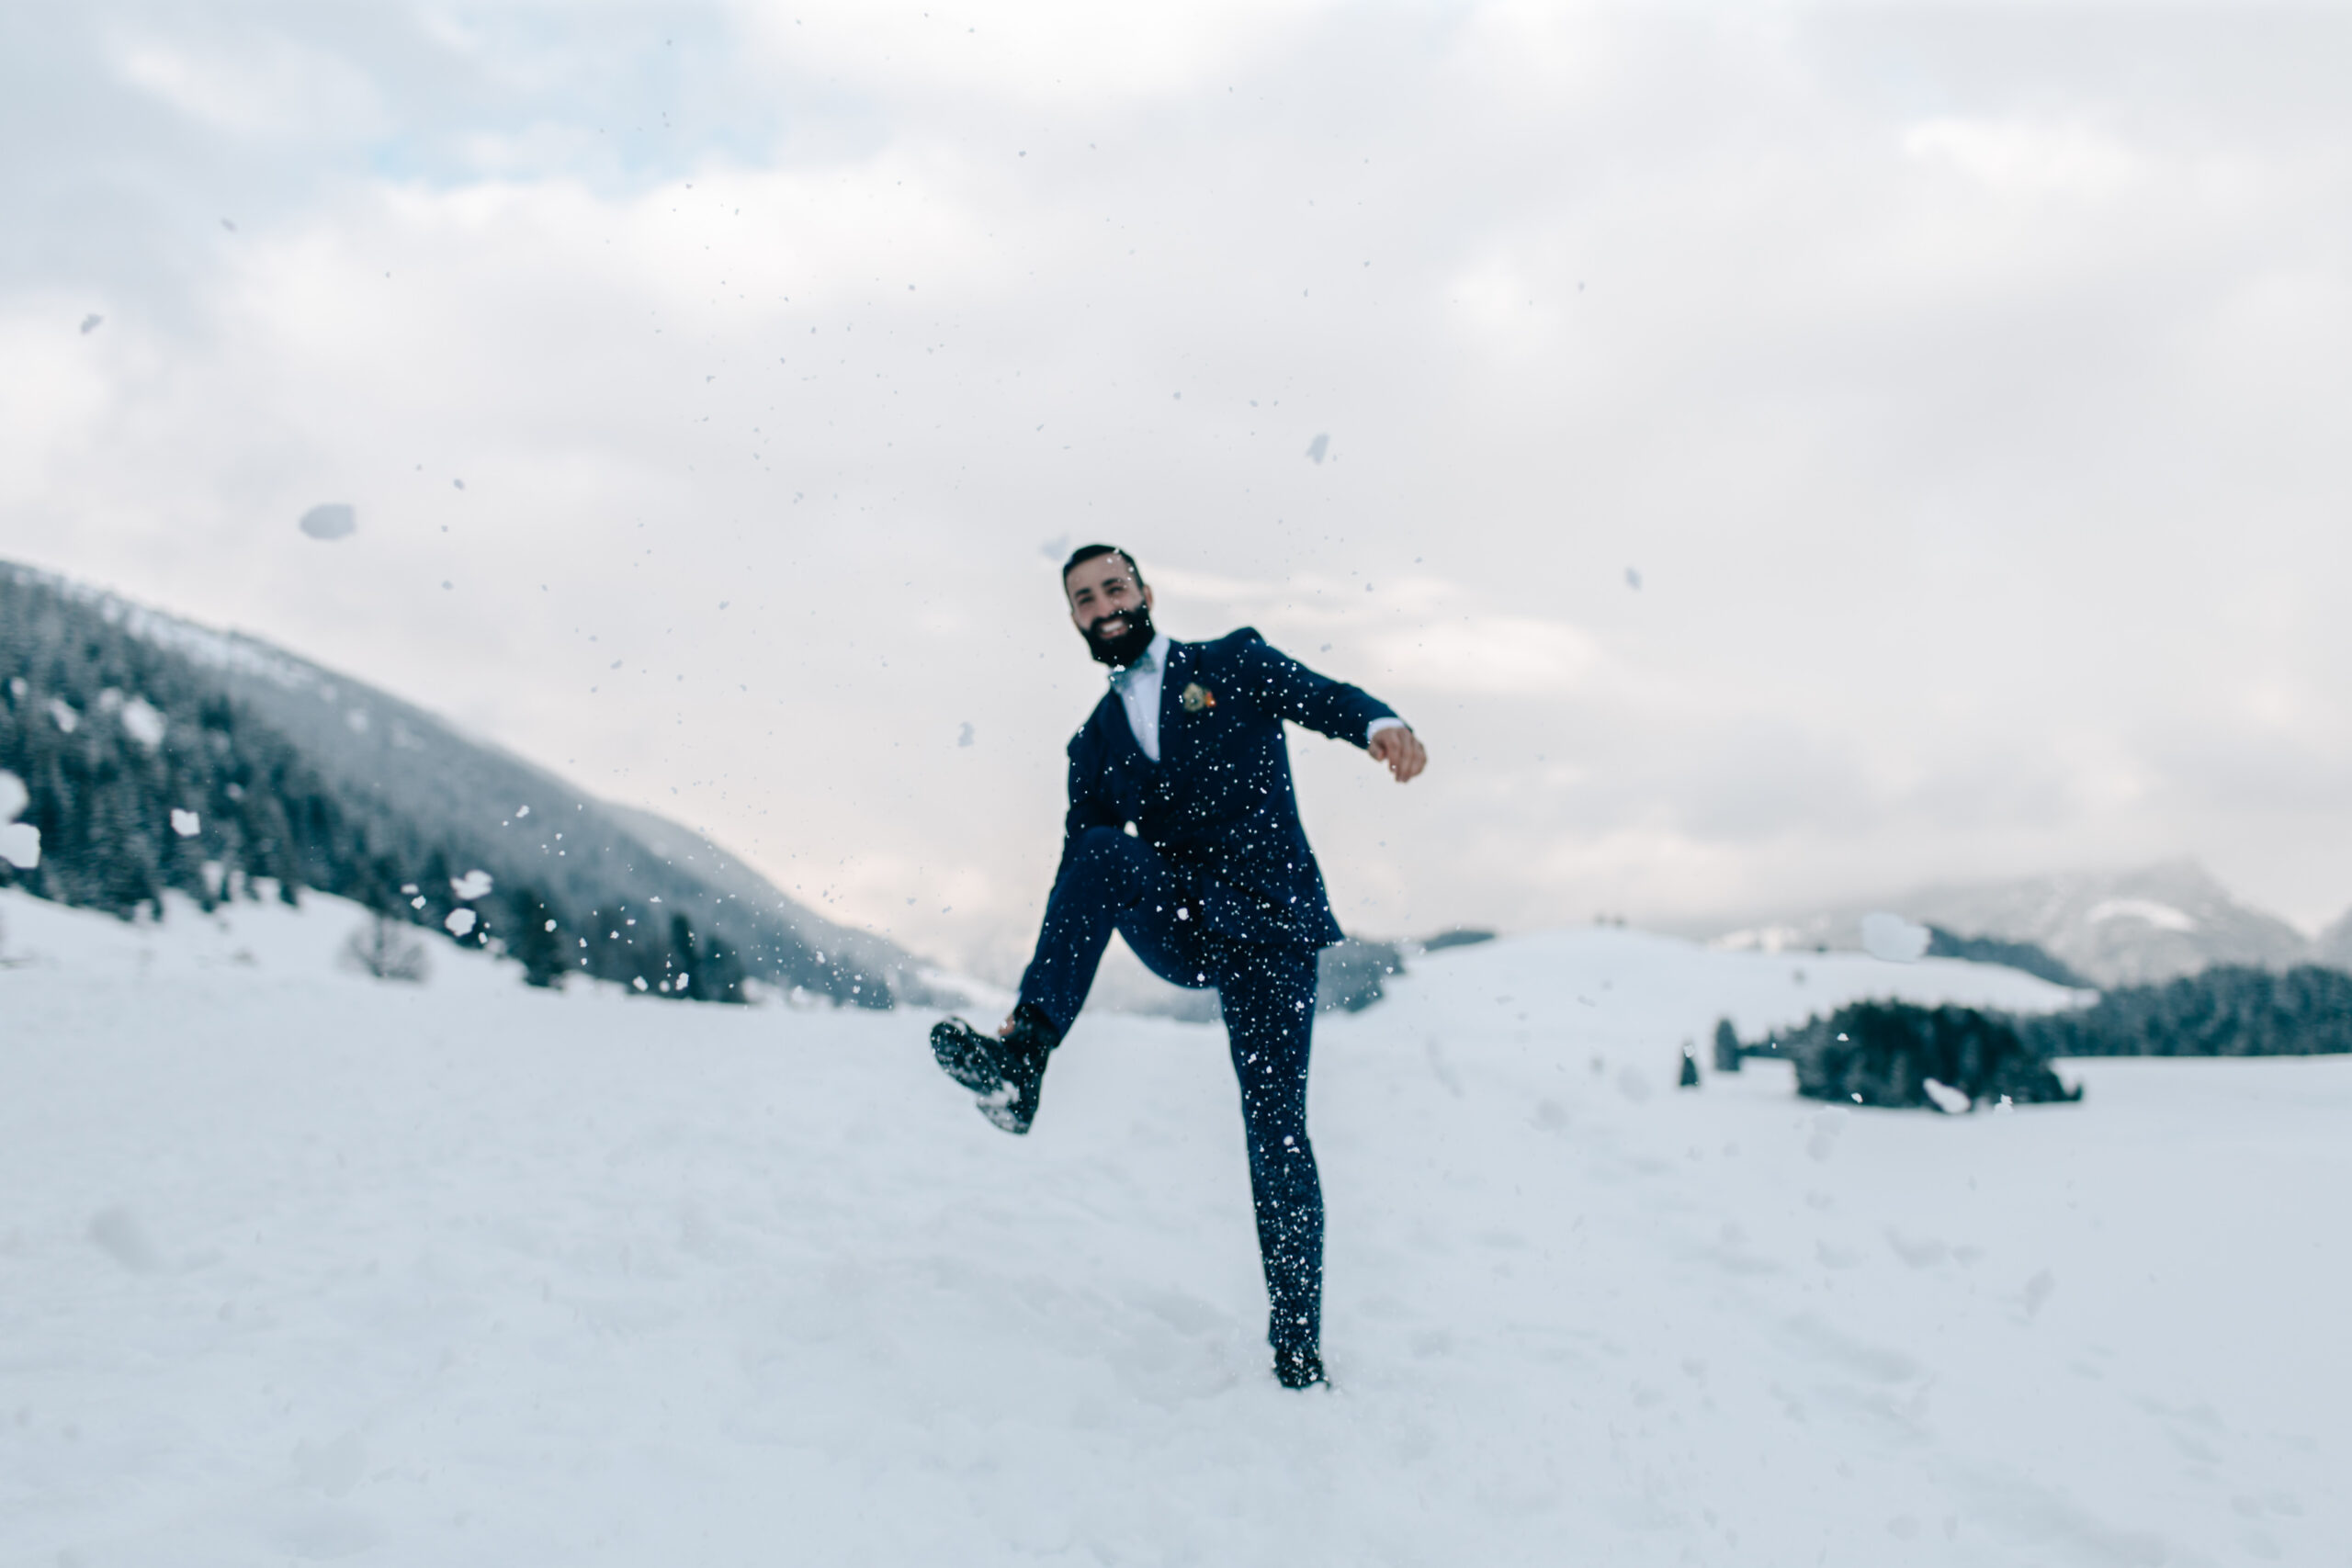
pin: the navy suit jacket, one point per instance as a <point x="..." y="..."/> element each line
<point x="1218" y="805"/>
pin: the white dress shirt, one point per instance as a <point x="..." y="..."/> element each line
<point x="1138" y="688"/>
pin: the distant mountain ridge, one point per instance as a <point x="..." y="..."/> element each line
<point x="2333" y="946"/>
<point x="162" y="754"/>
<point x="2124" y="928"/>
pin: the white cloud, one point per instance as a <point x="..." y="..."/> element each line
<point x="250" y="81"/>
<point x="1489" y="654"/>
<point x="2014" y="157"/>
<point x="2012" y="394"/>
<point x="1064" y="53"/>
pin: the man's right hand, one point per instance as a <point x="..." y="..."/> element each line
<point x="1402" y="751"/>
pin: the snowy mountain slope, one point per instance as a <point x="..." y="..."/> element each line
<point x="2333" y="946"/>
<point x="2114" y="928"/>
<point x="846" y="946"/>
<point x="410" y="798"/>
<point x="298" y="1266"/>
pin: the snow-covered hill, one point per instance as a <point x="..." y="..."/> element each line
<point x="2333" y="946"/>
<point x="298" y="1266"/>
<point x="159" y="753"/>
<point x="2125" y="927"/>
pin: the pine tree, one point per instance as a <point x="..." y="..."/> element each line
<point x="535" y="942"/>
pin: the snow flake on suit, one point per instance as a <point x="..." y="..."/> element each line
<point x="1215" y="887"/>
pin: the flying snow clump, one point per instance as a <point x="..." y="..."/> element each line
<point x="474" y="884"/>
<point x="1949" y="1101"/>
<point x="332" y="520"/>
<point x="19" y="842"/>
<point x="186" y="824"/>
<point x="1318" y="447"/>
<point x="143" y="723"/>
<point x="1893" y="938"/>
<point x="460" y="922"/>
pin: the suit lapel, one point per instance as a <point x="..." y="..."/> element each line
<point x="1118" y="735"/>
<point x="1171" y="700"/>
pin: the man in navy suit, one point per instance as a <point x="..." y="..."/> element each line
<point x="1183" y="836"/>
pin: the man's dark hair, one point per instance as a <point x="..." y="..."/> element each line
<point x="1085" y="553"/>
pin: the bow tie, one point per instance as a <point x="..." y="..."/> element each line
<point x="1119" y="678"/>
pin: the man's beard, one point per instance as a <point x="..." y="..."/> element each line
<point x="1123" y="649"/>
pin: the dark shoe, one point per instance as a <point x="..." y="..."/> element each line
<point x="1006" y="1074"/>
<point x="1299" y="1369"/>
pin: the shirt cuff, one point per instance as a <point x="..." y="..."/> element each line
<point x="1391" y="722"/>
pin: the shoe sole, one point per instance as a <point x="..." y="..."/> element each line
<point x="963" y="1054"/>
<point x="1002" y="1113"/>
<point x="967" y="1057"/>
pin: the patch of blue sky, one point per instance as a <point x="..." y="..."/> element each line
<point x="640" y="100"/>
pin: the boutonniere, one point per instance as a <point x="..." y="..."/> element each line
<point x="1197" y="698"/>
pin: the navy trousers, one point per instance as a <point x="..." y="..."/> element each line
<point x="1113" y="881"/>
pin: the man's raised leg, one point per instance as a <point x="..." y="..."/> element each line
<point x="1109" y="881"/>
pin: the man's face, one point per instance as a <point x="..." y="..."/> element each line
<point x="1105" y="604"/>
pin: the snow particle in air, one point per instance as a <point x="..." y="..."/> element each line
<point x="329" y="520"/>
<point x="459" y="483"/>
<point x="1318" y="448"/>
<point x="1893" y="939"/>
<point x="91" y="324"/>
<point x="474" y="884"/>
<point x="964" y="737"/>
<point x="461" y="922"/>
<point x="1632" y="580"/>
<point x="143" y="723"/>
<point x="186" y="824"/>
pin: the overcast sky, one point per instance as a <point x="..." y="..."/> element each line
<point x="1967" y="388"/>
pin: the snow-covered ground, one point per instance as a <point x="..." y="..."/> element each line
<point x="295" y="1265"/>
